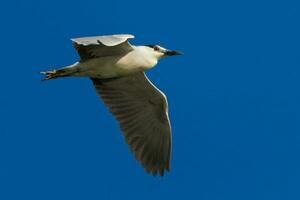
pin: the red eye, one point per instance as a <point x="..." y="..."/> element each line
<point x="156" y="48"/>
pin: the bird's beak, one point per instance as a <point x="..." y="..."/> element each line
<point x="172" y="53"/>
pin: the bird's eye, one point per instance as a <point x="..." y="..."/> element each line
<point x="156" y="48"/>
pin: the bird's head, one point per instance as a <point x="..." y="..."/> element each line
<point x="160" y="52"/>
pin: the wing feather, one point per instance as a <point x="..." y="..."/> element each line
<point x="100" y="46"/>
<point x="142" y="112"/>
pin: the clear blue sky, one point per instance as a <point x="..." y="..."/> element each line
<point x="234" y="101"/>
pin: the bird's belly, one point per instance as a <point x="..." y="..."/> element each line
<point x="107" y="67"/>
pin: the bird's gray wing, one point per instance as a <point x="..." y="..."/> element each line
<point x="99" y="46"/>
<point x="142" y="112"/>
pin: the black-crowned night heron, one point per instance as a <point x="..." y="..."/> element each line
<point x="117" y="71"/>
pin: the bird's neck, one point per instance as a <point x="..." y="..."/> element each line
<point x="145" y="56"/>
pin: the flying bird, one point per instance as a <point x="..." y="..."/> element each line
<point x="116" y="69"/>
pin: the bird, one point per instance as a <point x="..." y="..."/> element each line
<point x="117" y="71"/>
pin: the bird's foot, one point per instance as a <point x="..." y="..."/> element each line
<point x="52" y="74"/>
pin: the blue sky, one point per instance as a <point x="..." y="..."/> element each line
<point x="234" y="101"/>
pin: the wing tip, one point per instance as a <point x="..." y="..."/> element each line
<point x="123" y="35"/>
<point x="159" y="169"/>
<point x="77" y="40"/>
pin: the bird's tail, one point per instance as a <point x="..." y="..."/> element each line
<point x="56" y="73"/>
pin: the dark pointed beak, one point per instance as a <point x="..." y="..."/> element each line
<point x="172" y="53"/>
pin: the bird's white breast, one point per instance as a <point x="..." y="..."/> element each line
<point x="114" y="66"/>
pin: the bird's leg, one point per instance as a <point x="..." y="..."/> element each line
<point x="54" y="74"/>
<point x="70" y="70"/>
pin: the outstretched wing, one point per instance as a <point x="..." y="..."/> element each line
<point x="99" y="46"/>
<point x="142" y="112"/>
